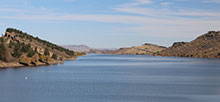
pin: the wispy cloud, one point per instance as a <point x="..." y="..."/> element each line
<point x="169" y="13"/>
<point x="157" y="27"/>
<point x="173" y="23"/>
<point x="211" y="1"/>
<point x="162" y="22"/>
<point x="11" y="10"/>
<point x="165" y="3"/>
<point x="139" y="2"/>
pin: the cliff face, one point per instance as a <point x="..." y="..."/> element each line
<point x="205" y="46"/>
<point x="145" y="49"/>
<point x="21" y="49"/>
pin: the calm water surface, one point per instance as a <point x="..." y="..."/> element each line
<point x="115" y="78"/>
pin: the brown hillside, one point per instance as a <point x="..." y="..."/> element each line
<point x="22" y="48"/>
<point x="145" y="49"/>
<point x="205" y="46"/>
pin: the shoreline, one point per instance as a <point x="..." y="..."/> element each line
<point x="4" y="65"/>
<point x="159" y="55"/>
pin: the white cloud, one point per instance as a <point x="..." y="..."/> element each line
<point x="11" y="10"/>
<point x="148" y="26"/>
<point x="149" y="22"/>
<point x="144" y="1"/>
<point x="168" y="13"/>
<point x="139" y="2"/>
<point x="211" y="1"/>
<point x="165" y="3"/>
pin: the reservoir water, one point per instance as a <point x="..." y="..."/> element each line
<point x="115" y="78"/>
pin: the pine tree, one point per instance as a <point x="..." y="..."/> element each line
<point x="17" y="50"/>
<point x="31" y="53"/>
<point x="11" y="44"/>
<point x="2" y="49"/>
<point x="46" y="52"/>
<point x="54" y="56"/>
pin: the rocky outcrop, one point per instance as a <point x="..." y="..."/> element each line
<point x="46" y="59"/>
<point x="21" y="49"/>
<point x="177" y="44"/>
<point x="205" y="46"/>
<point x="25" y="60"/>
<point x="35" y="59"/>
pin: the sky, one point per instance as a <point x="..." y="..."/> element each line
<point x="111" y="23"/>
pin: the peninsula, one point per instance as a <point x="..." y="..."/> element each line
<point x="19" y="49"/>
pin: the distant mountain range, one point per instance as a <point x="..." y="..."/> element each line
<point x="145" y="49"/>
<point x="205" y="46"/>
<point x="77" y="48"/>
<point x="86" y="49"/>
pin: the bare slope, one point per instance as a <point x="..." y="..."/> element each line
<point x="77" y="48"/>
<point x="205" y="46"/>
<point x="145" y="49"/>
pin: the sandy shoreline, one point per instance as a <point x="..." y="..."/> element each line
<point x="4" y="65"/>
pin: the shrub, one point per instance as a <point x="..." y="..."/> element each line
<point x="54" y="56"/>
<point x="46" y="52"/>
<point x="17" y="50"/>
<point x="11" y="44"/>
<point x="25" y="48"/>
<point x="2" y="49"/>
<point x="31" y="53"/>
<point x="35" y="49"/>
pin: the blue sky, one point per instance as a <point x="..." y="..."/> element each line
<point x="111" y="23"/>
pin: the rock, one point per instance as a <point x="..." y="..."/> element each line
<point x="176" y="44"/>
<point x="25" y="60"/>
<point x="46" y="59"/>
<point x="35" y="59"/>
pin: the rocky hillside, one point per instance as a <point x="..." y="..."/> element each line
<point x="21" y="49"/>
<point x="145" y="49"/>
<point x="205" y="46"/>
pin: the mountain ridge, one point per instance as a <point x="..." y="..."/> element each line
<point x="204" y="46"/>
<point x="145" y="49"/>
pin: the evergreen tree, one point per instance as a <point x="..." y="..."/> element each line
<point x="54" y="56"/>
<point x="2" y="49"/>
<point x="25" y="48"/>
<point x="35" y="49"/>
<point x="17" y="50"/>
<point x="11" y="44"/>
<point x="46" y="52"/>
<point x="31" y="53"/>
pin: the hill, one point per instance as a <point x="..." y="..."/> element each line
<point x="21" y="49"/>
<point x="77" y="48"/>
<point x="145" y="49"/>
<point x="205" y="46"/>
